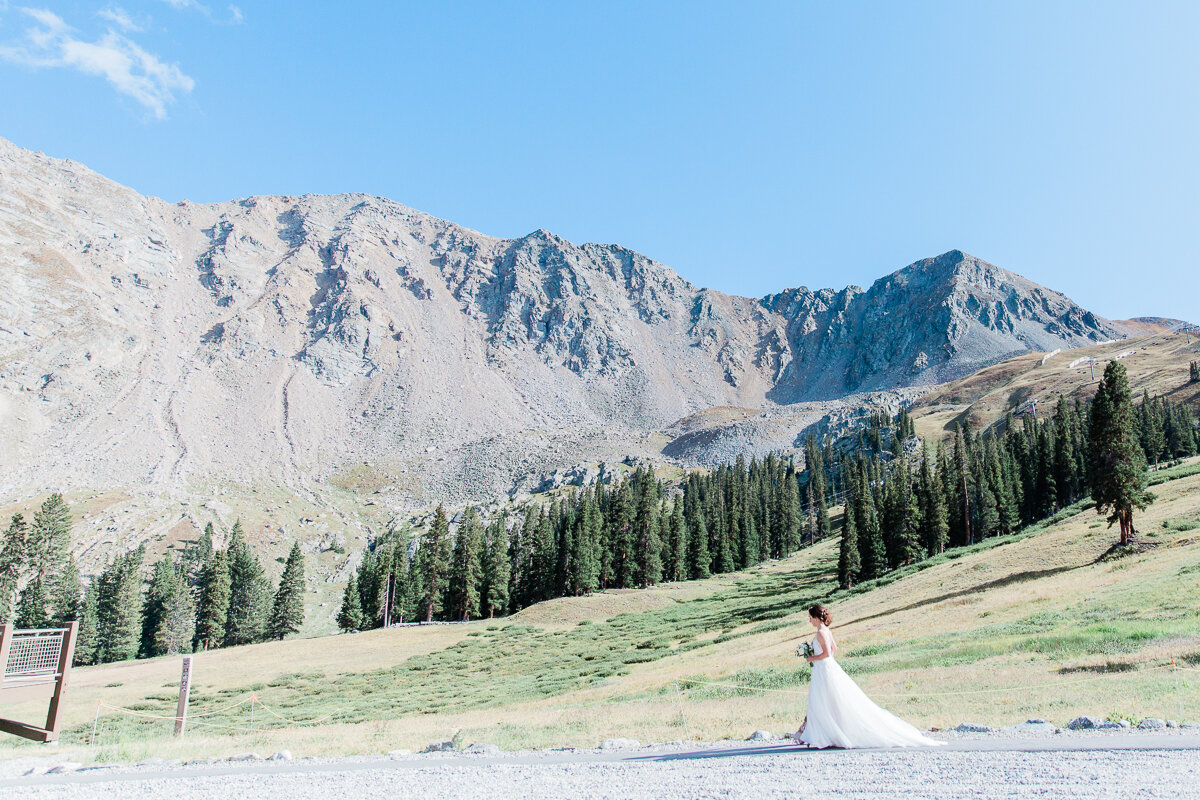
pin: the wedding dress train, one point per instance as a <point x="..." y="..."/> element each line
<point x="841" y="715"/>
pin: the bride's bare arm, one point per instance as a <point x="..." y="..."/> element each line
<point x="826" y="646"/>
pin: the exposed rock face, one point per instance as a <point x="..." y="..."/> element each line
<point x="290" y="338"/>
<point x="932" y="321"/>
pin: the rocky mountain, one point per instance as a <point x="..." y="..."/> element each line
<point x="301" y="340"/>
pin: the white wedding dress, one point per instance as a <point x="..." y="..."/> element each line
<point x="841" y="715"/>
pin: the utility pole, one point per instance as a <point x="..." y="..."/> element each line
<point x="1092" y="365"/>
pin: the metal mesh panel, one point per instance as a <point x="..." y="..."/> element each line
<point x="34" y="654"/>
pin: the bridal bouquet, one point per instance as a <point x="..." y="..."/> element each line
<point x="805" y="650"/>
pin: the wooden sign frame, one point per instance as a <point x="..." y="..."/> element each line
<point x="18" y="684"/>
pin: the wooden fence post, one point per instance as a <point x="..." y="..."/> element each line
<point x="66" y="656"/>
<point x="6" y="634"/>
<point x="185" y="693"/>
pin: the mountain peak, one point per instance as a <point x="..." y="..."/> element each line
<point x="367" y="331"/>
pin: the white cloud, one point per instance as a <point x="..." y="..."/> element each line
<point x="130" y="69"/>
<point x="119" y="17"/>
<point x="235" y="14"/>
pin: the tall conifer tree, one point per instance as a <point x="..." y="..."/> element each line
<point x="287" y="609"/>
<point x="1118" y="462"/>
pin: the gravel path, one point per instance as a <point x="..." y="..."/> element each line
<point x="1093" y="766"/>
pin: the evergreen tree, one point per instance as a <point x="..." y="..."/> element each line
<point x="88" y="636"/>
<point x="372" y="578"/>
<point x="432" y="563"/>
<point x="402" y="579"/>
<point x="176" y="628"/>
<point x="49" y="538"/>
<point x="544" y="558"/>
<point x="249" y="593"/>
<point x="622" y="536"/>
<point x="119" y="608"/>
<point x="349" y="617"/>
<point x="648" y="568"/>
<point x="196" y="556"/>
<point x="32" y="606"/>
<point x="872" y="550"/>
<point x="68" y="591"/>
<point x="466" y="568"/>
<point x="1117" y="461"/>
<point x="496" y="570"/>
<point x="1194" y="373"/>
<point x="1153" y="423"/>
<point x="287" y="610"/>
<point x="814" y="461"/>
<point x="12" y="564"/>
<point x="790" y="513"/>
<point x="677" y="547"/>
<point x="935" y="524"/>
<point x="849" y="562"/>
<point x="161" y="587"/>
<point x="699" y="559"/>
<point x="212" y="613"/>
<point x="586" y="564"/>
<point x="962" y="469"/>
<point x="49" y="555"/>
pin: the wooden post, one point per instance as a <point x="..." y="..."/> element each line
<point x="66" y="656"/>
<point x="185" y="693"/>
<point x="6" y="634"/>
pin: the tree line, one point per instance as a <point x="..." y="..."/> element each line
<point x="201" y="599"/>
<point x="996" y="482"/>
<point x="640" y="530"/>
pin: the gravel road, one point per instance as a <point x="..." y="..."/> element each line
<point x="1095" y="766"/>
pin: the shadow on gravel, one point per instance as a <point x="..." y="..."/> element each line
<point x="733" y="752"/>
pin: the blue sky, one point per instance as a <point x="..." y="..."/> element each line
<point x="751" y="146"/>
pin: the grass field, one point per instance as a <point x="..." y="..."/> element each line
<point x="1042" y="624"/>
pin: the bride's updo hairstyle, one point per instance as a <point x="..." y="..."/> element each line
<point x="821" y="613"/>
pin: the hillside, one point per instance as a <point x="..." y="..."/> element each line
<point x="1035" y="625"/>
<point x="1157" y="364"/>
<point x="321" y="365"/>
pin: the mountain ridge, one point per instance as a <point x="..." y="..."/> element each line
<point x="290" y="338"/>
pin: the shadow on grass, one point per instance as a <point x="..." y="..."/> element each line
<point x="1008" y="580"/>
<point x="1098" y="669"/>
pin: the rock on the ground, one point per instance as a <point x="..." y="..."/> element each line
<point x="245" y="757"/>
<point x="1085" y="723"/>
<point x="761" y="736"/>
<point x="1151" y="724"/>
<point x="973" y="727"/>
<point x="439" y="747"/>
<point x="482" y="748"/>
<point x="620" y="744"/>
<point x="282" y="755"/>
<point x="398" y="753"/>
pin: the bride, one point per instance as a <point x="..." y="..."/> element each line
<point x="839" y="714"/>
